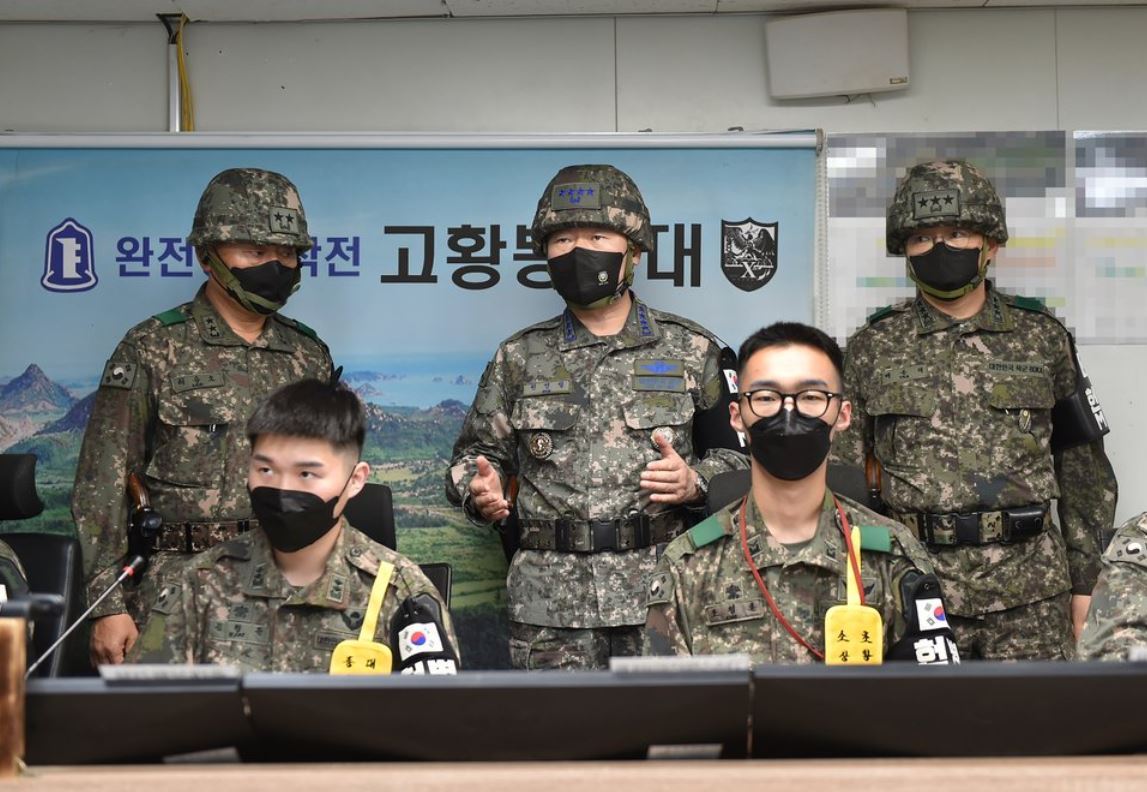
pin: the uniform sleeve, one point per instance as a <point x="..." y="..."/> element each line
<point x="170" y="634"/>
<point x="1117" y="619"/>
<point x="409" y="586"/>
<point x="916" y="628"/>
<point x="115" y="444"/>
<point x="666" y="626"/>
<point x="714" y="395"/>
<point x="1087" y="492"/>
<point x="487" y="432"/>
<point x="851" y="446"/>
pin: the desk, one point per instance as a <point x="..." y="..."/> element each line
<point x="1043" y="774"/>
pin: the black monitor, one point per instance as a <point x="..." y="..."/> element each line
<point x="92" y="721"/>
<point x="975" y="709"/>
<point x="498" y="715"/>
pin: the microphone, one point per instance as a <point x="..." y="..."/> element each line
<point x="133" y="567"/>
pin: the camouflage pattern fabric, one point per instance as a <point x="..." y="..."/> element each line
<point x="958" y="412"/>
<point x="173" y="404"/>
<point x="250" y="205"/>
<point x="945" y="192"/>
<point x="557" y="649"/>
<point x="572" y="415"/>
<point x="1038" y="631"/>
<point x="1117" y="621"/>
<point x="12" y="575"/>
<point x="232" y="606"/>
<point x="703" y="598"/>
<point x="592" y="195"/>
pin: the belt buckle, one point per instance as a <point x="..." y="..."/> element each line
<point x="642" y="531"/>
<point x="967" y="528"/>
<point x="563" y="536"/>
<point x="603" y="535"/>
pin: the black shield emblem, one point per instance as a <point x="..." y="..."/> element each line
<point x="749" y="253"/>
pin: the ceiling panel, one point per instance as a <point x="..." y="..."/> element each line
<point x="469" y="8"/>
<point x="301" y="10"/>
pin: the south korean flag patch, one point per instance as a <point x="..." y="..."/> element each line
<point x="930" y="614"/>
<point x="419" y="638"/>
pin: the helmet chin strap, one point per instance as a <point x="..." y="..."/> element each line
<point x="234" y="289"/>
<point x="623" y="286"/>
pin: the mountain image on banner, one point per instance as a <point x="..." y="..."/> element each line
<point x="33" y="394"/>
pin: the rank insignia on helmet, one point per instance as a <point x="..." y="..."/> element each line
<point x="541" y="445"/>
<point x="936" y="203"/>
<point x="749" y="252"/>
<point x="577" y="195"/>
<point x="284" y="220"/>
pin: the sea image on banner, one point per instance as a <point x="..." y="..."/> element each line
<point x="421" y="265"/>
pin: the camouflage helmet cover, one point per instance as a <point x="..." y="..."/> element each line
<point x="252" y="205"/>
<point x="944" y="192"/>
<point x="592" y="195"/>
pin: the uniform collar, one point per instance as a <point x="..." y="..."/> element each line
<point x="331" y="590"/>
<point x="826" y="549"/>
<point x="994" y="317"/>
<point x="640" y="328"/>
<point x="213" y="329"/>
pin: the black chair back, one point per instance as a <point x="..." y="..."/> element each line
<point x="442" y="576"/>
<point x="847" y="480"/>
<point x="372" y="512"/>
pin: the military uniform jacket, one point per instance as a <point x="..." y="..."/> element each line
<point x="958" y="412"/>
<point x="173" y="404"/>
<point x="572" y="415"/>
<point x="231" y="605"/>
<point x="703" y="598"/>
<point x="12" y="575"/>
<point x="1117" y="620"/>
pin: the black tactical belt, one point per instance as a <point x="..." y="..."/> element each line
<point x="595" y="536"/>
<point x="979" y="528"/>
<point x="195" y="537"/>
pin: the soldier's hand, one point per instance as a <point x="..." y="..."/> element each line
<point x="1080" y="603"/>
<point x="112" y="638"/>
<point x="669" y="480"/>
<point x="486" y="493"/>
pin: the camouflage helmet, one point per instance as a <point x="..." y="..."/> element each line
<point x="592" y="195"/>
<point x="250" y="205"/>
<point x="944" y="192"/>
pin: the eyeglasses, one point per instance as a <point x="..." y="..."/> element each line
<point x="958" y="238"/>
<point x="811" y="403"/>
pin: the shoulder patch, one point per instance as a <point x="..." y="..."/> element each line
<point x="876" y="538"/>
<point x="706" y="532"/>
<point x="168" y="598"/>
<point x="546" y="324"/>
<point x="171" y="317"/>
<point x="1028" y="303"/>
<point x="660" y="589"/>
<point x="118" y="375"/>
<point x="1128" y="547"/>
<point x="234" y="548"/>
<point x="306" y="330"/>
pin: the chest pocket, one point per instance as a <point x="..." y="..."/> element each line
<point x="1016" y="393"/>
<point x="190" y="440"/>
<point x="651" y="410"/>
<point x="544" y="423"/>
<point x="901" y="413"/>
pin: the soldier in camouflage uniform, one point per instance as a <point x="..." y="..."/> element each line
<point x="1117" y="619"/>
<point x="593" y="412"/>
<point x="282" y="597"/>
<point x="706" y="599"/>
<point x="955" y="394"/>
<point x="177" y="390"/>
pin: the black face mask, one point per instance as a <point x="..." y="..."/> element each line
<point x="292" y="519"/>
<point x="789" y="445"/>
<point x="946" y="273"/>
<point x="587" y="278"/>
<point x="272" y="281"/>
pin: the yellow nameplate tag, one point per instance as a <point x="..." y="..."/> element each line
<point x="853" y="633"/>
<point x="361" y="657"/>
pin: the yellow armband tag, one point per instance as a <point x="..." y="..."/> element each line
<point x="365" y="655"/>
<point x="853" y="633"/>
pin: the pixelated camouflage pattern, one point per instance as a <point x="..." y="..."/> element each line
<point x="1037" y="631"/>
<point x="558" y="649"/>
<point x="12" y="574"/>
<point x="250" y="205"/>
<point x="619" y="206"/>
<point x="173" y="405"/>
<point x="232" y="606"/>
<point x="924" y="198"/>
<point x="705" y="600"/>
<point x="559" y="380"/>
<point x="958" y="412"/>
<point x="1117" y="620"/>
